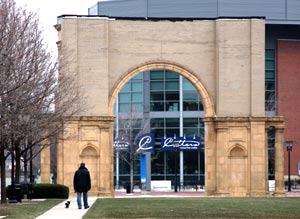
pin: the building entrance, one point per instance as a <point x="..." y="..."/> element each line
<point x="166" y="104"/>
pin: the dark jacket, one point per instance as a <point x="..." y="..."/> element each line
<point x="82" y="180"/>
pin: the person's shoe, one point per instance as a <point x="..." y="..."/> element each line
<point x="86" y="207"/>
<point x="79" y="207"/>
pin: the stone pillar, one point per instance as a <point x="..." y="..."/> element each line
<point x="60" y="159"/>
<point x="106" y="186"/>
<point x="279" y="161"/>
<point x="222" y="164"/>
<point x="210" y="158"/>
<point x="267" y="155"/>
<point x="258" y="162"/>
<point x="45" y="162"/>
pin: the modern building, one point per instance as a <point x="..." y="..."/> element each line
<point x="220" y="70"/>
<point x="282" y="52"/>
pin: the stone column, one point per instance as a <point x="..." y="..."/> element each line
<point x="267" y="156"/>
<point x="210" y="157"/>
<point x="279" y="162"/>
<point x="60" y="160"/>
<point x="106" y="162"/>
<point x="259" y="156"/>
<point x="45" y="163"/>
<point x="222" y="162"/>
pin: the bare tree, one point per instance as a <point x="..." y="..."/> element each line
<point x="34" y="101"/>
<point x="130" y="126"/>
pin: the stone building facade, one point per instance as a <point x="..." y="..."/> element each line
<point x="222" y="58"/>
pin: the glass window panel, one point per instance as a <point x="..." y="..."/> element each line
<point x="187" y="86"/>
<point x="270" y="95"/>
<point x="136" y="123"/>
<point x="201" y="124"/>
<point x="190" y="96"/>
<point x="137" y="97"/>
<point x="136" y="166"/>
<point x="124" y="107"/>
<point x="156" y="96"/>
<point x="157" y="75"/>
<point x="270" y="105"/>
<point x="271" y="133"/>
<point x="157" y="85"/>
<point x="271" y="142"/>
<point x="124" y="167"/>
<point x="158" y="133"/>
<point x="157" y="165"/>
<point x="190" y="122"/>
<point x="201" y="133"/>
<point x="124" y="131"/>
<point x="190" y="132"/>
<point x="135" y="132"/>
<point x="172" y="85"/>
<point x="190" y="106"/>
<point x="270" y="54"/>
<point x="172" y="95"/>
<point x="171" y="75"/>
<point x="172" y="106"/>
<point x="137" y="86"/>
<point x="172" y="122"/>
<point x="126" y="87"/>
<point x="271" y="163"/>
<point x="124" y="97"/>
<point x="170" y="132"/>
<point x="191" y="164"/>
<point x="270" y="75"/>
<point x="269" y="85"/>
<point x="138" y="77"/>
<point x="156" y="106"/>
<point x="270" y="64"/>
<point x="137" y="107"/>
<point x="170" y="162"/>
<point x="159" y="122"/>
<point x="201" y="106"/>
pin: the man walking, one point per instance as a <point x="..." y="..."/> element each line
<point x="82" y="184"/>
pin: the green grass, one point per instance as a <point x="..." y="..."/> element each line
<point x="27" y="209"/>
<point x="204" y="207"/>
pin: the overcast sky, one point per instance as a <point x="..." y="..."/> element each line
<point x="48" y="10"/>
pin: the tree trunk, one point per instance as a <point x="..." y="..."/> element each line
<point x="25" y="167"/>
<point x="3" y="176"/>
<point x="131" y="175"/>
<point x="18" y="164"/>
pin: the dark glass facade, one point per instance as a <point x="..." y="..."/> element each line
<point x="165" y="103"/>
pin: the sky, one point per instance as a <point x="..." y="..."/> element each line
<point x="48" y="10"/>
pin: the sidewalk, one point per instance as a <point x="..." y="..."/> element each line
<point x="60" y="211"/>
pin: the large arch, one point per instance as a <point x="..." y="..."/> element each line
<point x="207" y="100"/>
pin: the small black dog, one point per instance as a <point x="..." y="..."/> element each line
<point x="67" y="204"/>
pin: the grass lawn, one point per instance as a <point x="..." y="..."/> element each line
<point x="27" y="209"/>
<point x="204" y="207"/>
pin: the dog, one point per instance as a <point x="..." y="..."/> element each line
<point x="67" y="204"/>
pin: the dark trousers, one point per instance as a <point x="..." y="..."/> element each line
<point x="85" y="199"/>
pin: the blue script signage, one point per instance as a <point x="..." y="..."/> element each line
<point x="181" y="143"/>
<point x="120" y="144"/>
<point x="145" y="142"/>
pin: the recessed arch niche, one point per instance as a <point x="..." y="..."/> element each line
<point x="89" y="156"/>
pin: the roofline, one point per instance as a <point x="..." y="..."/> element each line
<point x="283" y="22"/>
<point x="161" y="18"/>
